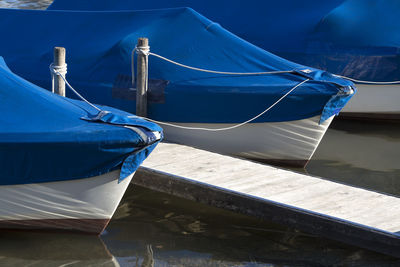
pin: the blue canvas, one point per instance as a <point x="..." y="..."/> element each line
<point x="45" y="137"/>
<point x="355" y="38"/>
<point x="99" y="46"/>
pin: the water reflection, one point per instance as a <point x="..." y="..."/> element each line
<point x="154" y="229"/>
<point x="361" y="154"/>
<point x="53" y="249"/>
<point x="25" y="4"/>
<point x="183" y="233"/>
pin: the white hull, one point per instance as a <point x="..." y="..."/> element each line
<point x="84" y="204"/>
<point x="286" y="143"/>
<point x="380" y="100"/>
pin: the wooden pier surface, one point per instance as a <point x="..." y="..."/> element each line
<point x="352" y="215"/>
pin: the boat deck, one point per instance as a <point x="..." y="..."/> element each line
<point x="348" y="214"/>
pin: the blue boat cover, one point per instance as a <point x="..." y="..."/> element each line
<point x="45" y="137"/>
<point x="99" y="46"/>
<point x="354" y="38"/>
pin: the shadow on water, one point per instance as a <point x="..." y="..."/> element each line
<point x="363" y="154"/>
<point x="184" y="233"/>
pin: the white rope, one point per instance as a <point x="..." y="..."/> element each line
<point x="146" y="51"/>
<point x="55" y="71"/>
<point x="367" y="82"/>
<point x="230" y="127"/>
<point x="219" y="72"/>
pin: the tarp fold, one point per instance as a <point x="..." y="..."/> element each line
<point x="43" y="137"/>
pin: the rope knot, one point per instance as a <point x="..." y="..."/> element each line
<point x="58" y="70"/>
<point x="144" y="50"/>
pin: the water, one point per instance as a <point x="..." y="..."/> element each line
<point x="184" y="233"/>
<point x="25" y="4"/>
<point x="363" y="154"/>
<point x="181" y="233"/>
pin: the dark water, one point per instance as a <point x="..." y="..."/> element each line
<point x="364" y="154"/>
<point x="174" y="232"/>
<point x="169" y="231"/>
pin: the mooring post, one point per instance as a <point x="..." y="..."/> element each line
<point x="59" y="64"/>
<point x="142" y="76"/>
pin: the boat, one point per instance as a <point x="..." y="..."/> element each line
<point x="357" y="39"/>
<point x="244" y="102"/>
<point x="65" y="164"/>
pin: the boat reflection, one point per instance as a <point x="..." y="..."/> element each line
<point x="21" y="248"/>
<point x="184" y="233"/>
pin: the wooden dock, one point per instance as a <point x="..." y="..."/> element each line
<point x="347" y="214"/>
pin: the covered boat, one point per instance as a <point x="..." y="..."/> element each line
<point x="283" y="113"/>
<point x="358" y="39"/>
<point x="64" y="164"/>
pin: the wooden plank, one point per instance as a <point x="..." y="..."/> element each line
<point x="360" y="217"/>
<point x="59" y="61"/>
<point x="142" y="77"/>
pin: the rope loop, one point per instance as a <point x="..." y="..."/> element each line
<point x="62" y="71"/>
<point x="143" y="50"/>
<point x="220" y="72"/>
<point x="58" y="70"/>
<point x="146" y="51"/>
<point x="230" y="127"/>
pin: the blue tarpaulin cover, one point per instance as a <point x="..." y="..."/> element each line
<point x="99" y="46"/>
<point x="45" y="137"/>
<point x="354" y="38"/>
